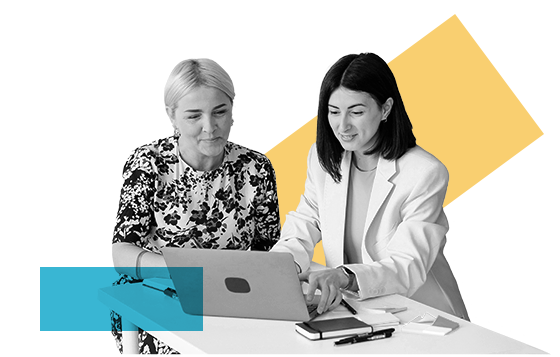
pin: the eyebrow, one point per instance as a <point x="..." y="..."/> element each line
<point x="200" y="110"/>
<point x="350" y="107"/>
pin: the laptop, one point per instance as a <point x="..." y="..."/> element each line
<point x="238" y="283"/>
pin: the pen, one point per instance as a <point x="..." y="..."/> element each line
<point x="348" y="307"/>
<point x="372" y="336"/>
<point x="364" y="335"/>
<point x="348" y="339"/>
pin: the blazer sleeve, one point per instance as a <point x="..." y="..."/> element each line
<point x="402" y="265"/>
<point x="302" y="229"/>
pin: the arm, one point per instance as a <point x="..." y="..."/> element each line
<point x="125" y="259"/>
<point x="302" y="229"/>
<point x="134" y="221"/>
<point x="267" y="216"/>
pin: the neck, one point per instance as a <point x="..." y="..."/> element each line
<point x="200" y="162"/>
<point x="364" y="162"/>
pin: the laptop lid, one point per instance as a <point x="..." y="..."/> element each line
<point x="238" y="283"/>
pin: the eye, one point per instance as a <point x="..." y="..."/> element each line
<point x="358" y="112"/>
<point x="193" y="116"/>
<point x="334" y="112"/>
<point x="220" y="113"/>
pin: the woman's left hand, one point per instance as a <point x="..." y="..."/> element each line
<point x="329" y="281"/>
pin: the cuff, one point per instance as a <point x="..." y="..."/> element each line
<point x="352" y="281"/>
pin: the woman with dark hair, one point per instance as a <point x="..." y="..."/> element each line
<point x="372" y="196"/>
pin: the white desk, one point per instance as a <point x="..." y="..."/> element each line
<point x="232" y="335"/>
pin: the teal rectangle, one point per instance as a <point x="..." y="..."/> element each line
<point x="69" y="300"/>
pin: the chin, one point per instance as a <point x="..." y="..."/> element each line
<point x="215" y="150"/>
<point x="348" y="146"/>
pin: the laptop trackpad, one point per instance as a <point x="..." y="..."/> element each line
<point x="237" y="285"/>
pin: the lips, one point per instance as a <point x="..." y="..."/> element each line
<point x="211" y="140"/>
<point x="347" y="137"/>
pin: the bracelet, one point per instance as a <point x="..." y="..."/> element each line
<point x="350" y="277"/>
<point x="138" y="276"/>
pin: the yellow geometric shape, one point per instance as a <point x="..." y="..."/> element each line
<point x="289" y="159"/>
<point x="461" y="109"/>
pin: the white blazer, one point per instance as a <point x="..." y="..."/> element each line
<point x="404" y="235"/>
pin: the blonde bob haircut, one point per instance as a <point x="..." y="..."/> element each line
<point x="194" y="73"/>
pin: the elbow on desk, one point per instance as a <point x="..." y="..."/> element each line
<point x="122" y="258"/>
<point x="125" y="259"/>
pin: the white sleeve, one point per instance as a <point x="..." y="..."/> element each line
<point x="302" y="229"/>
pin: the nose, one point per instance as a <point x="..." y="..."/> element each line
<point x="345" y="122"/>
<point x="209" y="124"/>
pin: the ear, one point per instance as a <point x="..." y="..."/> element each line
<point x="171" y="115"/>
<point x="386" y="107"/>
<point x="170" y="112"/>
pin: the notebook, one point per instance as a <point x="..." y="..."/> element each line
<point x="323" y="329"/>
<point x="238" y="283"/>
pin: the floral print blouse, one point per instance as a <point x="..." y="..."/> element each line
<point x="166" y="203"/>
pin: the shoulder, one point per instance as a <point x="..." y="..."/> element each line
<point x="316" y="174"/>
<point x="313" y="158"/>
<point x="150" y="156"/>
<point x="160" y="147"/>
<point x="419" y="159"/>
<point x="314" y="166"/>
<point x="420" y="163"/>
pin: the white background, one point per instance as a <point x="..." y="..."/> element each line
<point x="82" y="85"/>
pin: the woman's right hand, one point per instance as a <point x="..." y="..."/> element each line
<point x="329" y="282"/>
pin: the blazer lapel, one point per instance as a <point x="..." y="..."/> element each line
<point x="381" y="189"/>
<point x="334" y="214"/>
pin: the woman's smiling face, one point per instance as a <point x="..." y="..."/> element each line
<point x="354" y="118"/>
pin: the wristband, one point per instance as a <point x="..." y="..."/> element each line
<point x="138" y="276"/>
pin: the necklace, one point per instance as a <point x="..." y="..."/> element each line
<point x="370" y="170"/>
<point x="355" y="163"/>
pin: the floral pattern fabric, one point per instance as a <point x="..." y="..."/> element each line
<point x="166" y="203"/>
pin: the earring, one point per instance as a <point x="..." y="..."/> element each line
<point x="385" y="117"/>
<point x="232" y="121"/>
<point x="176" y="133"/>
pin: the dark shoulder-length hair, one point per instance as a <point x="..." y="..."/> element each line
<point x="367" y="73"/>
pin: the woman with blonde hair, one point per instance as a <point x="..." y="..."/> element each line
<point x="194" y="189"/>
